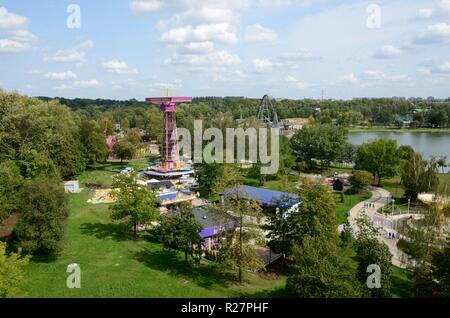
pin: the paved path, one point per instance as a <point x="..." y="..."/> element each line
<point x="380" y="197"/>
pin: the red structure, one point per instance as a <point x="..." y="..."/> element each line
<point x="170" y="160"/>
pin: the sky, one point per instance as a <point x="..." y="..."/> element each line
<point x="123" y="49"/>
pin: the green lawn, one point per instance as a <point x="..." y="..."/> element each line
<point x="116" y="266"/>
<point x="350" y="200"/>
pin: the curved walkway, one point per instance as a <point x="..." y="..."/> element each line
<point x="380" y="197"/>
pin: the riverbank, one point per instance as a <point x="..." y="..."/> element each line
<point x="399" y="130"/>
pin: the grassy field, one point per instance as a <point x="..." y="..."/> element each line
<point x="117" y="265"/>
<point x="350" y="200"/>
<point x="114" y="265"/>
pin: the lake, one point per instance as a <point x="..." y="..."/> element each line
<point x="426" y="143"/>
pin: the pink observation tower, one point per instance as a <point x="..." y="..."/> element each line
<point x="170" y="165"/>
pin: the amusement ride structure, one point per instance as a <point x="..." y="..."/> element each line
<point x="170" y="165"/>
<point x="267" y="113"/>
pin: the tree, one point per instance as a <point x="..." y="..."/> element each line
<point x="418" y="175"/>
<point x="379" y="157"/>
<point x="134" y="137"/>
<point x="124" y="150"/>
<point x="207" y="174"/>
<point x="48" y="128"/>
<point x="316" y="215"/>
<point x="321" y="142"/>
<point x="43" y="213"/>
<point x="11" y="272"/>
<point x="442" y="162"/>
<point x="360" y="180"/>
<point x="94" y="142"/>
<point x="133" y="202"/>
<point x="441" y="267"/>
<point x="438" y="117"/>
<point x="10" y="186"/>
<point x="237" y="251"/>
<point x="369" y="250"/>
<point x="424" y="240"/>
<point x="320" y="272"/>
<point x="180" y="232"/>
<point x="346" y="235"/>
<point x="281" y="227"/>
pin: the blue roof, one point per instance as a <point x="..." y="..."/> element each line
<point x="264" y="196"/>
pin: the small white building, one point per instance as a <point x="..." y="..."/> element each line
<point x="72" y="186"/>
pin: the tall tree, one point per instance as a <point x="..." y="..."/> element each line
<point x="238" y="251"/>
<point x="316" y="214"/>
<point x="369" y="250"/>
<point x="180" y="232"/>
<point x="360" y="180"/>
<point x="134" y="203"/>
<point x="124" y="150"/>
<point x="441" y="267"/>
<point x="94" y="141"/>
<point x="43" y="213"/>
<point x="47" y="127"/>
<point x="320" y="272"/>
<point x="379" y="157"/>
<point x="424" y="240"/>
<point x="325" y="143"/>
<point x="10" y="186"/>
<point x="281" y="227"/>
<point x="207" y="174"/>
<point x="418" y="175"/>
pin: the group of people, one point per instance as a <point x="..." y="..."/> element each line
<point x="391" y="235"/>
<point x="369" y="205"/>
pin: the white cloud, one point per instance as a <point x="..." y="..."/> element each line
<point x="436" y="66"/>
<point x="220" y="32"/>
<point x="425" y="13"/>
<point x="261" y="65"/>
<point x="347" y="79"/>
<point x="378" y="76"/>
<point x="196" y="47"/>
<point x="23" y="35"/>
<point x="258" y="33"/>
<point x="293" y="59"/>
<point x="216" y="58"/>
<point x="387" y="51"/>
<point x="205" y="15"/>
<point x="16" y="27"/>
<point x="445" y="5"/>
<point x="86" y="45"/>
<point x="436" y="33"/>
<point x="11" y="21"/>
<point x="78" y="84"/>
<point x="10" y="46"/>
<point x="88" y="83"/>
<point x="61" y="75"/>
<point x="118" y="67"/>
<point x="145" y="6"/>
<point x="69" y="56"/>
<point x="297" y="83"/>
<point x="74" y="55"/>
<point x="374" y="75"/>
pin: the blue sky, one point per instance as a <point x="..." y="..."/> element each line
<point x="287" y="48"/>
